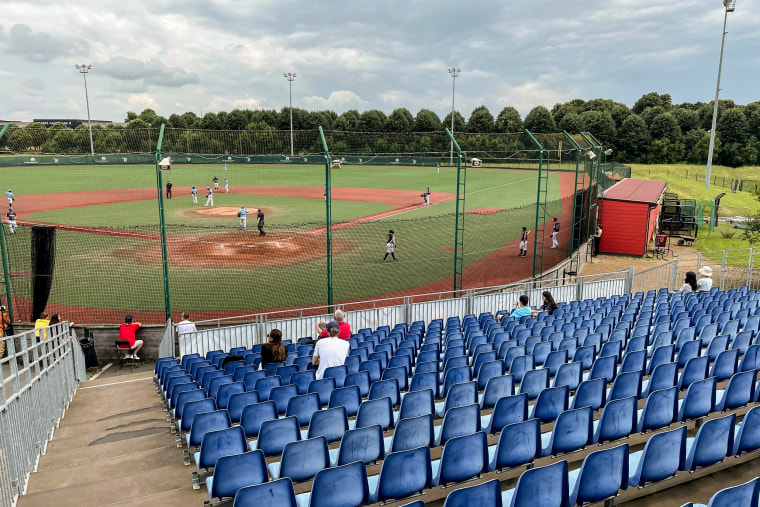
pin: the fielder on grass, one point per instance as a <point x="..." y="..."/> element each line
<point x="11" y="215"/>
<point x="209" y="197"/>
<point x="226" y="185"/>
<point x="194" y="193"/>
<point x="10" y="197"/>
<point x="390" y="245"/>
<point x="242" y="212"/>
<point x="216" y="183"/>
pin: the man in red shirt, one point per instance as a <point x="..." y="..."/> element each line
<point x="345" y="327"/>
<point x="127" y="332"/>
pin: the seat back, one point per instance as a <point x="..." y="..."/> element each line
<point x="748" y="435"/>
<point x="456" y="375"/>
<point x="534" y="381"/>
<point x="714" y="440"/>
<point x="508" y="410"/>
<point x="216" y="444"/>
<point x="602" y="474"/>
<point x="572" y="431"/>
<point x="324" y="388"/>
<point x="362" y="444"/>
<point x="541" y="487"/>
<point x="341" y="485"/>
<point x="275" y="435"/>
<point x="386" y="388"/>
<point x="460" y="421"/>
<point x="349" y="397"/>
<point x="302" y="379"/>
<point x="226" y="391"/>
<point x="206" y="422"/>
<point x="725" y="365"/>
<point x="461" y="395"/>
<point x="695" y="369"/>
<point x="660" y="409"/>
<point x="282" y="395"/>
<point x="417" y="403"/>
<point x="254" y="415"/>
<point x="338" y="373"/>
<point x="604" y="367"/>
<point x="463" y="458"/>
<point x="569" y="374"/>
<point x="412" y="433"/>
<point x="302" y="407"/>
<point x="359" y="379"/>
<point x="301" y="460"/>
<point x="550" y="403"/>
<point x="618" y="420"/>
<point x="237" y="471"/>
<point x="265" y="385"/>
<point x="625" y="385"/>
<point x="590" y="393"/>
<point x="424" y="380"/>
<point x="379" y="411"/>
<point x="519" y="443"/>
<point x="664" y="454"/>
<point x="403" y="474"/>
<point x="488" y="493"/>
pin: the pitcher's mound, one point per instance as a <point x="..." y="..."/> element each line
<point x="222" y="211"/>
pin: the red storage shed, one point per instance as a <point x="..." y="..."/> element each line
<point x="628" y="213"/>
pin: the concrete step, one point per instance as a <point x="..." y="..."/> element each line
<point x="138" y="484"/>
<point x="130" y="420"/>
<point x="52" y="461"/>
<point x="181" y="497"/>
<point x="105" y="469"/>
<point x="98" y="438"/>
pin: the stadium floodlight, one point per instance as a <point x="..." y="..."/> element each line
<point x="165" y="164"/>
<point x="608" y="151"/>
<point x="454" y="74"/>
<point x="290" y="76"/>
<point x="729" y="6"/>
<point x="591" y="155"/>
<point x="84" y="69"/>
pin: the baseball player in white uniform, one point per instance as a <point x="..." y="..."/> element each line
<point x="555" y="231"/>
<point x="242" y="212"/>
<point x="209" y="197"/>
<point x="194" y="193"/>
<point x="524" y="242"/>
<point x="226" y="185"/>
<point x="9" y="195"/>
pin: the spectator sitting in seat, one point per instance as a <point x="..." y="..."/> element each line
<point x="705" y="282"/>
<point x="274" y="351"/>
<point x="330" y="351"/>
<point x="548" y="306"/>
<point x="231" y="359"/>
<point x="127" y="332"/>
<point x="522" y="308"/>
<point x="345" y="327"/>
<point x="43" y="321"/>
<point x="186" y="326"/>
<point x="689" y="283"/>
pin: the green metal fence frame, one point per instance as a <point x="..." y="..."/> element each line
<point x="459" y="217"/>
<point x="4" y="255"/>
<point x="328" y="219"/>
<point x="162" y="226"/>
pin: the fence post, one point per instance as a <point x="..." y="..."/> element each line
<point x="750" y="261"/>
<point x="629" y="280"/>
<point x="723" y="269"/>
<point x="579" y="288"/>
<point x="408" y="309"/>
<point x="468" y="305"/>
<point x="674" y="275"/>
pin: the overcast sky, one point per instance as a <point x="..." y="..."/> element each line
<point x="211" y="55"/>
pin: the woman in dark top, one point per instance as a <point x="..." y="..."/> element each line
<point x="549" y="304"/>
<point x="273" y="351"/>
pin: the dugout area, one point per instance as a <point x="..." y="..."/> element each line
<point x="108" y="256"/>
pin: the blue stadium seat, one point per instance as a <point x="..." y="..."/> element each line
<point x="602" y="474"/>
<point x="240" y="373"/>
<point x="330" y="423"/>
<point x="412" y="433"/>
<point x="508" y="410"/>
<point x="236" y="471"/>
<point x="238" y="401"/>
<point x="633" y="361"/>
<point x="462" y="458"/>
<point x="285" y="372"/>
<point x="342" y="485"/>
<point x="662" y="377"/>
<point x="204" y="423"/>
<point x="301" y="460"/>
<point x="270" y="494"/>
<point x="254" y="415"/>
<point x="302" y="379"/>
<point x="618" y="420"/>
<point x="303" y="407"/>
<point x="359" y="379"/>
<point x="401" y="475"/>
<point x="386" y="388"/>
<point x="550" y="403"/>
<point x="572" y="431"/>
<point x="570" y="375"/>
<point x="349" y="397"/>
<point x="695" y="369"/>
<point x="688" y="350"/>
<point x="455" y="375"/>
<point x="589" y="393"/>
<point x="186" y="397"/>
<point x="274" y="435"/>
<point x="660" y="409"/>
<point x="663" y="455"/>
<point x="739" y="391"/>
<point x="399" y="374"/>
<point x="747" y="433"/>
<point x="698" y="401"/>
<point x="324" y="388"/>
<point x="457" y="422"/>
<point x="555" y="360"/>
<point x="373" y="367"/>
<point x="519" y="444"/>
<point x="545" y="486"/>
<point x="459" y="395"/>
<point x="265" y="385"/>
<point x="661" y="355"/>
<point x="282" y="395"/>
<point x="191" y="409"/>
<point x="379" y="411"/>
<point x="744" y="495"/>
<point x="362" y="444"/>
<point x="534" y="381"/>
<point x="714" y="440"/>
<point x="725" y="364"/>
<point x="250" y="379"/>
<point x="338" y="373"/>
<point x="417" y="403"/>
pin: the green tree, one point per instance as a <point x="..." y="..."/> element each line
<point x="733" y="126"/>
<point x="259" y="125"/>
<point x="619" y="113"/>
<point x="652" y="99"/>
<point x="131" y="115"/>
<point x="509" y="121"/>
<point x="690" y="141"/>
<point x="665" y="126"/>
<point x="540" y="121"/>
<point x="236" y="120"/>
<point x="373" y="120"/>
<point x="19" y="140"/>
<point x="177" y="122"/>
<point x="634" y="138"/>
<point x="601" y="125"/>
<point x="700" y="150"/>
<point x="571" y="123"/>
<point x="559" y="111"/>
<point x="480" y="121"/>
<point x="459" y="123"/>
<point x="401" y="120"/>
<point x="427" y="121"/>
<point x="211" y="121"/>
<point x="664" y="151"/>
<point x="687" y="119"/>
<point x="348" y="121"/>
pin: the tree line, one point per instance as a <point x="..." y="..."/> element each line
<point x="654" y="130"/>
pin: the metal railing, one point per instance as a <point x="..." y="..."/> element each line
<point x="425" y="307"/>
<point x="166" y="345"/>
<point x="39" y="378"/>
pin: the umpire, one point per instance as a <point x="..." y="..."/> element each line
<point x="260" y="222"/>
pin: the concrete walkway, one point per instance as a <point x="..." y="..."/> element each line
<point x="113" y="447"/>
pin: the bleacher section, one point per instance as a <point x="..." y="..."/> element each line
<point x="558" y="401"/>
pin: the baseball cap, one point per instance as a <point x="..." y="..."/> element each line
<point x="332" y="325"/>
<point x="128" y="318"/>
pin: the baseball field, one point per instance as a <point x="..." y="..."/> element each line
<point x="108" y="255"/>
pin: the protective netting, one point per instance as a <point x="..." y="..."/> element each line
<point x="107" y="243"/>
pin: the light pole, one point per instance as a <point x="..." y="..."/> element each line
<point x="730" y="6"/>
<point x="291" y="76"/>
<point x="454" y="73"/>
<point x="84" y="69"/>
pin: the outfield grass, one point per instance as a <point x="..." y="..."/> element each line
<point x="95" y="270"/>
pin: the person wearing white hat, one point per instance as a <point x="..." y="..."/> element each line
<point x="705" y="281"/>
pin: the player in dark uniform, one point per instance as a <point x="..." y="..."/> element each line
<point x="524" y="242"/>
<point x="390" y="245"/>
<point x="11" y="216"/>
<point x="168" y="189"/>
<point x="260" y="222"/>
<point x="555" y="231"/>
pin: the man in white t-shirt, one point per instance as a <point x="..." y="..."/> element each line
<point x="330" y="351"/>
<point x="186" y="326"/>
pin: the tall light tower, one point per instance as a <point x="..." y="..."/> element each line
<point x="454" y="73"/>
<point x="729" y="6"/>
<point x="84" y="69"/>
<point x="291" y="76"/>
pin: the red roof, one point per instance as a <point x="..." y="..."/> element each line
<point x="633" y="190"/>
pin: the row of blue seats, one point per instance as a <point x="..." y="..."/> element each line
<point x="743" y="495"/>
<point x="602" y="475"/>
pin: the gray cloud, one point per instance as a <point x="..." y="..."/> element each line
<point x="42" y="47"/>
<point x="151" y="72"/>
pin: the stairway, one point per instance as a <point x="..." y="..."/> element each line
<point x="113" y="447"/>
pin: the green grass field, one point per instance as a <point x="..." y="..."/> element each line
<point x="124" y="273"/>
